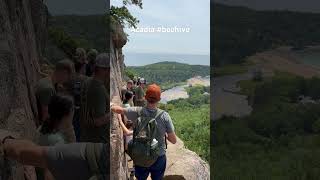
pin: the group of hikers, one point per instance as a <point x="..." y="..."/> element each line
<point x="74" y="120"/>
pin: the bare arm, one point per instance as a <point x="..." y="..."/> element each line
<point x="26" y="152"/>
<point x="44" y="112"/>
<point x="126" y="131"/>
<point x="172" y="137"/>
<point x="117" y="109"/>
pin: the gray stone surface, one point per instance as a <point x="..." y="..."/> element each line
<point x="119" y="161"/>
<point x="21" y="31"/>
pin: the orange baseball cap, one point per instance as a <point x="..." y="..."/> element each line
<point x="153" y="92"/>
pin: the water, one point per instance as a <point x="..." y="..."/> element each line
<point x="180" y="92"/>
<point x="311" y="58"/>
<point x="226" y="100"/>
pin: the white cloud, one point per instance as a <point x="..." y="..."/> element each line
<point x="172" y="13"/>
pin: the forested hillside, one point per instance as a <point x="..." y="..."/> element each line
<point x="240" y="32"/>
<point x="89" y="30"/>
<point x="169" y="72"/>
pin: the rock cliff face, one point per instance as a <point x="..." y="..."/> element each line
<point x="20" y="43"/>
<point x="119" y="166"/>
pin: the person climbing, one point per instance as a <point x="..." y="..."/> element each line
<point x="53" y="130"/>
<point x="127" y="129"/>
<point x="75" y="161"/>
<point x="92" y="55"/>
<point x="127" y="126"/>
<point x="77" y="82"/>
<point x="94" y="118"/>
<point x="48" y="86"/>
<point x="152" y="127"/>
<point x="139" y="93"/>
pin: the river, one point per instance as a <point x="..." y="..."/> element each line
<point x="311" y="57"/>
<point x="226" y="100"/>
<point x="180" y="92"/>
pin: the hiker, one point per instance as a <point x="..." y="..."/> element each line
<point x="77" y="82"/>
<point x="76" y="161"/>
<point x="61" y="112"/>
<point x="152" y="127"/>
<point x="128" y="87"/>
<point x="49" y="86"/>
<point x="52" y="131"/>
<point x="81" y="55"/>
<point x="140" y="94"/>
<point x="128" y="99"/>
<point x="92" y="55"/>
<point x="94" y="118"/>
<point x="127" y="129"/>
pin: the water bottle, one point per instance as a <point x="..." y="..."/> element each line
<point x="154" y="144"/>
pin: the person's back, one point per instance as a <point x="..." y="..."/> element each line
<point x="94" y="126"/>
<point x="139" y="95"/>
<point x="77" y="83"/>
<point x="44" y="91"/>
<point x="92" y="54"/>
<point x="164" y="123"/>
<point x="52" y="130"/>
<point x="146" y="118"/>
<point x="92" y="105"/>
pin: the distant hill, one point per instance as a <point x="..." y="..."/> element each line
<point x="240" y="32"/>
<point x="169" y="72"/>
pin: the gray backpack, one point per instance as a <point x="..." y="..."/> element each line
<point x="144" y="148"/>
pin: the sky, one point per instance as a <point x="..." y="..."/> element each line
<point x="294" y="5"/>
<point x="179" y="14"/>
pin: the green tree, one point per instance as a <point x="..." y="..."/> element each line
<point x="123" y="15"/>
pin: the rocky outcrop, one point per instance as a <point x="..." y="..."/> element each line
<point x="119" y="162"/>
<point x="20" y="36"/>
<point x="184" y="164"/>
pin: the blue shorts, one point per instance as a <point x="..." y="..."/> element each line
<point x="157" y="170"/>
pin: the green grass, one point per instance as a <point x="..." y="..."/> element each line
<point x="279" y="140"/>
<point x="191" y="118"/>
<point x="193" y="127"/>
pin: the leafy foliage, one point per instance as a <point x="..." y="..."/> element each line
<point x="89" y="31"/>
<point x="63" y="41"/>
<point x="240" y="32"/>
<point x="123" y="15"/>
<point x="169" y="72"/>
<point x="129" y="74"/>
<point x="279" y="140"/>
<point x="191" y="118"/>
